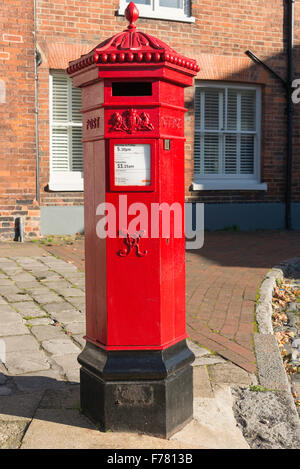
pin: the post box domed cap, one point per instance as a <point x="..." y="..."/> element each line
<point x="135" y="47"/>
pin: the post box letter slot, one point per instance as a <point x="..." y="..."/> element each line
<point x="132" y="89"/>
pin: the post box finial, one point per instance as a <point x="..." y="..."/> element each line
<point x="132" y="14"/>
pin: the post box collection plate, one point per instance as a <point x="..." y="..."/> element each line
<point x="132" y="164"/>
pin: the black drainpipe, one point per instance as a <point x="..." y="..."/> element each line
<point x="290" y="106"/>
<point x="290" y="111"/>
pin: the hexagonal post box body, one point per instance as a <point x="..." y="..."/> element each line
<point x="136" y="372"/>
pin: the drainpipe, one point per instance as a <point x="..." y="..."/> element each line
<point x="37" y="62"/>
<point x="290" y="112"/>
<point x="290" y="106"/>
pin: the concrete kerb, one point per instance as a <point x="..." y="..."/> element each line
<point x="271" y="371"/>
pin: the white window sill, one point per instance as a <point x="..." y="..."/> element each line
<point x="66" y="182"/>
<point x="229" y="186"/>
<point x="172" y="16"/>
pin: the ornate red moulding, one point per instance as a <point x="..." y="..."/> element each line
<point x="132" y="46"/>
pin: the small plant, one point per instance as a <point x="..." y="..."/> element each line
<point x="258" y="388"/>
<point x="278" y="282"/>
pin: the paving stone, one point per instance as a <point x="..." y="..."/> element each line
<point x="47" y="298"/>
<point x="208" y="360"/>
<point x="11" y="434"/>
<point x="76" y="327"/>
<point x="39" y="321"/>
<point x="13" y="329"/>
<point x="39" y="381"/>
<point x="10" y="317"/>
<point x="23" y="277"/>
<point x="40" y="273"/>
<point x="53" y="308"/>
<point x="6" y="282"/>
<point x="3" y="301"/>
<point x="68" y="317"/>
<point x="8" y="290"/>
<point x="61" y="346"/>
<point x="15" y="297"/>
<point x="229" y="374"/>
<point x="19" y="363"/>
<point x="70" y="366"/>
<point x="28" y="308"/>
<point x="202" y="387"/>
<point x="20" y="409"/>
<point x="73" y="292"/>
<point x="39" y="290"/>
<point x="78" y="303"/>
<point x="67" y="398"/>
<point x="20" y="343"/>
<point x="27" y="286"/>
<point x="80" y="340"/>
<point x="11" y="270"/>
<point x="6" y="308"/>
<point x="47" y="332"/>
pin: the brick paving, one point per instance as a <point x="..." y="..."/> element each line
<point x="222" y="281"/>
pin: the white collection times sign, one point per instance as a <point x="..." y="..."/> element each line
<point x="133" y="164"/>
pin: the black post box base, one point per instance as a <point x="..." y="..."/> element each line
<point x="140" y="391"/>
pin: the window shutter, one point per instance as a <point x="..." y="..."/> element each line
<point x="76" y="104"/>
<point x="60" y="98"/>
<point x="248" y="110"/>
<point x="226" y="134"/>
<point x="77" y="163"/>
<point x="66" y="131"/>
<point x="211" y="148"/>
<point x="197" y="136"/>
<point x="247" y="154"/>
<point x="60" y="149"/>
<point x="230" y="163"/>
<point x="213" y="112"/>
<point x="232" y="102"/>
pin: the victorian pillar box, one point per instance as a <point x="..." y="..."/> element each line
<point x="136" y="373"/>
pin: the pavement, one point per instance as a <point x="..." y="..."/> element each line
<point x="42" y="325"/>
<point x="222" y="282"/>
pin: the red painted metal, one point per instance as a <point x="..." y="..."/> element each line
<point x="135" y="284"/>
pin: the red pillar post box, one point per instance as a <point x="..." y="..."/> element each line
<point x="136" y="373"/>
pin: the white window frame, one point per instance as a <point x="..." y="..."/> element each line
<point x="234" y="182"/>
<point x="62" y="180"/>
<point x="154" y="10"/>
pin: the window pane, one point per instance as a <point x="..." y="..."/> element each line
<point x="247" y="154"/>
<point x="171" y="3"/>
<point x="60" y="150"/>
<point x="211" y="152"/>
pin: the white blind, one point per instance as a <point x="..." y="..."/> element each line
<point x="225" y="131"/>
<point x="66" y="125"/>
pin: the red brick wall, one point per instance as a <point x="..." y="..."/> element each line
<point x="17" y="118"/>
<point x="218" y="39"/>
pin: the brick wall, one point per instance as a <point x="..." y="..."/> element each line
<point x="17" y="119"/>
<point x="218" y="39"/>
